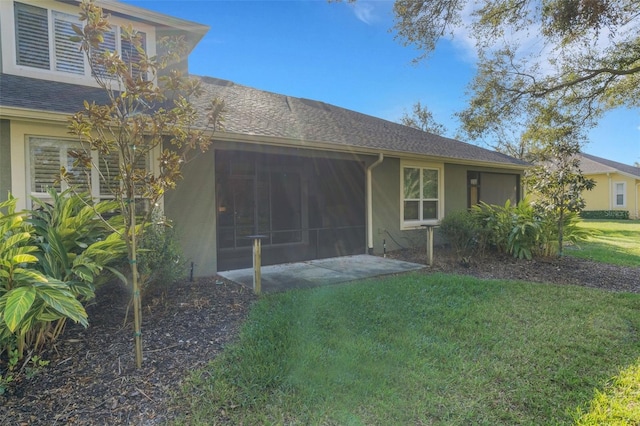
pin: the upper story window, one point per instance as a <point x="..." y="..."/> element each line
<point x="421" y="195"/>
<point x="43" y="48"/>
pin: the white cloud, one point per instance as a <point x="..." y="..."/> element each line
<point x="364" y="11"/>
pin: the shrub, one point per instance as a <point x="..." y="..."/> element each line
<point x="604" y="214"/>
<point x="495" y="223"/>
<point x="48" y="263"/>
<point x="160" y="258"/>
<point x="525" y="237"/>
<point x="460" y="229"/>
<point x="523" y="230"/>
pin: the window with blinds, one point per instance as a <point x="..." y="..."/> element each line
<point x="108" y="165"/>
<point x="108" y="45"/>
<point x="46" y="159"/>
<point x="68" y="57"/>
<point x="32" y="36"/>
<point x="132" y="57"/>
<point x="43" y="41"/>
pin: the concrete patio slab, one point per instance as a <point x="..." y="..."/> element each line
<point x="320" y="272"/>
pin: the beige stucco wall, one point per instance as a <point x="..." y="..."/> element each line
<point x="5" y="159"/>
<point x="602" y="196"/>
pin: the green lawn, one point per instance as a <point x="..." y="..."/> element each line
<point x="614" y="241"/>
<point x="425" y="349"/>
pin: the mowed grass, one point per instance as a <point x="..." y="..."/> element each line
<point x="613" y="241"/>
<point x="421" y="349"/>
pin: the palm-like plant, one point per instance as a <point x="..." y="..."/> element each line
<point x="48" y="265"/>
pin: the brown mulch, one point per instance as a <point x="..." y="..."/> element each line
<point x="91" y="377"/>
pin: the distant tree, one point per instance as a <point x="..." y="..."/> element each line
<point x="421" y="118"/>
<point x="556" y="178"/>
<point x="145" y="111"/>
<point x="506" y="138"/>
<point x="637" y="164"/>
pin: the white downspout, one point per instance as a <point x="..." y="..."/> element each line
<point x="370" y="203"/>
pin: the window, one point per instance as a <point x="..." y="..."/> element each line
<point x="48" y="155"/>
<point x="43" y="42"/>
<point x="421" y="195"/>
<point x="46" y="158"/>
<point x="68" y="57"/>
<point x="32" y="36"/>
<point x="620" y="191"/>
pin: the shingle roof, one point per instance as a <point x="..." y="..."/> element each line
<point x="255" y="112"/>
<point x="30" y="93"/>
<point x="590" y="164"/>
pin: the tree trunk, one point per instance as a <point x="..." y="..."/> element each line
<point x="560" y="232"/>
<point x="137" y="303"/>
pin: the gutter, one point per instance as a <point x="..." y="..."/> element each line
<point x="370" y="202"/>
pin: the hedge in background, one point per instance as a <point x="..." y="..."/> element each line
<point x="605" y="214"/>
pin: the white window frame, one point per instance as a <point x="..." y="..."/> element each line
<point x="62" y="145"/>
<point x="623" y="193"/>
<point x="68" y="13"/>
<point x="413" y="224"/>
<point x="67" y="144"/>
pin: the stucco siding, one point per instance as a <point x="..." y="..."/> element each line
<point x="455" y="187"/>
<point x="387" y="228"/>
<point x="192" y="208"/>
<point x="603" y="195"/>
<point x="598" y="197"/>
<point x="5" y="159"/>
<point x="386" y="205"/>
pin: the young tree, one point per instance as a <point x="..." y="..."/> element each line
<point x="421" y="118"/>
<point x="556" y="178"/>
<point x="148" y="113"/>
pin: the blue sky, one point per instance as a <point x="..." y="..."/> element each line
<point x="346" y="55"/>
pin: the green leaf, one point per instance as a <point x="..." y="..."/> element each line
<point x="118" y="274"/>
<point x="63" y="302"/>
<point x="19" y="301"/>
<point x="24" y="258"/>
<point x="28" y="276"/>
<point x="14" y="240"/>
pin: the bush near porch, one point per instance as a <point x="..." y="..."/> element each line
<point x="517" y="229"/>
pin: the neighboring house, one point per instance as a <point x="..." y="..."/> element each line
<point x="314" y="179"/>
<point x="617" y="185"/>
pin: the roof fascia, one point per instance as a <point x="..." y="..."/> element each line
<point x="32" y="114"/>
<point x="153" y="18"/>
<point x="614" y="170"/>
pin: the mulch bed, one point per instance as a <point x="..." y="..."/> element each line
<point x="91" y="377"/>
